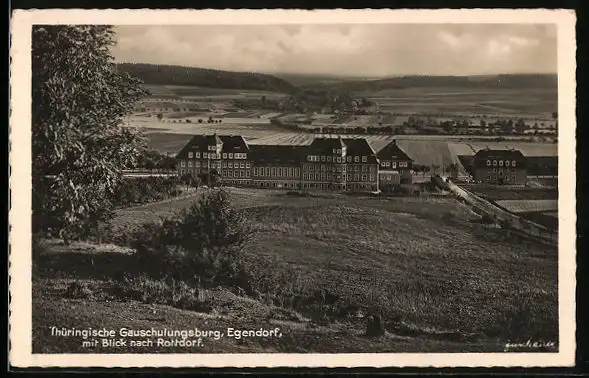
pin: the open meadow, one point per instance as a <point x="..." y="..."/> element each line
<point x="456" y="287"/>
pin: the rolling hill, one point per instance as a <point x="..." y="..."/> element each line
<point x="547" y="81"/>
<point x="202" y="77"/>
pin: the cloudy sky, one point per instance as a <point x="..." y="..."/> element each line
<point x="363" y="50"/>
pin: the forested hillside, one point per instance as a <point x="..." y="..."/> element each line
<point x="178" y="75"/>
<point x="490" y="81"/>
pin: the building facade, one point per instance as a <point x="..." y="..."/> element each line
<point x="226" y="157"/>
<point x="395" y="167"/>
<point x="500" y="167"/>
<point x="341" y="164"/>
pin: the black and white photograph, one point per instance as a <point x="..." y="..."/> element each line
<point x="293" y="188"/>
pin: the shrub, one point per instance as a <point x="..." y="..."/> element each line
<point x="78" y="290"/>
<point x="201" y="243"/>
<point x="171" y="292"/>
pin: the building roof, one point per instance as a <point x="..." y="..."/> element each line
<point x="392" y="152"/>
<point x="277" y="154"/>
<point x="234" y="143"/>
<point x="200" y="143"/>
<point x="483" y="155"/>
<point x="487" y="153"/>
<point x="360" y="147"/>
<point x="325" y="146"/>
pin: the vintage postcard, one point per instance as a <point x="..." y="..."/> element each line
<point x="288" y="188"/>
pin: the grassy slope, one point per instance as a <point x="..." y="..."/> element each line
<point x="438" y="278"/>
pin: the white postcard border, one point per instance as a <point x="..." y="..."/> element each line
<point x="20" y="319"/>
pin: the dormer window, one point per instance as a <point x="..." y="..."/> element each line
<point x="230" y="155"/>
<point x="197" y="155"/>
<point x="190" y="155"/>
<point x="322" y="157"/>
<point x="513" y="163"/>
<point x="394" y="164"/>
<point x="507" y="163"/>
<point x="494" y="163"/>
<point x="224" y="155"/>
<point x="339" y="151"/>
<point x="501" y="163"/>
<point x="329" y="159"/>
<point x="356" y="159"/>
<point x="334" y="150"/>
<point x="364" y="159"/>
<point x="488" y="163"/>
<point x="349" y="158"/>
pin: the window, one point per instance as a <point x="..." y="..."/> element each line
<point x="334" y="150"/>
<point x="190" y="155"/>
<point x="190" y="163"/>
<point x="394" y="164"/>
<point x="494" y="170"/>
<point x="224" y="155"/>
<point x="267" y="171"/>
<point x="329" y="159"/>
<point x="241" y="164"/>
<point x="255" y="171"/>
<point x="197" y="155"/>
<point x="230" y="164"/>
<point x="356" y="159"/>
<point x="339" y="151"/>
<point x="513" y="178"/>
<point x="224" y="164"/>
<point x="205" y="155"/>
<point x="230" y="173"/>
<point x="363" y="177"/>
<point x="323" y="177"/>
<point x="371" y="177"/>
<point x="247" y="174"/>
<point x="488" y="177"/>
<point x="322" y="157"/>
<point x="513" y="163"/>
<point x="507" y="163"/>
<point x="513" y="170"/>
<point x="488" y="165"/>
<point x="383" y="164"/>
<point x="364" y="159"/>
<point x="309" y="158"/>
<point x="494" y="163"/>
<point x="339" y="159"/>
<point x="501" y="163"/>
<point x="273" y="171"/>
<point x="247" y="164"/>
<point x="197" y="164"/>
<point x="181" y="172"/>
<point x="230" y="155"/>
<point x="183" y="163"/>
<point x="240" y="173"/>
<point x="349" y="159"/>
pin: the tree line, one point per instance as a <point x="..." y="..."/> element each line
<point x="193" y="76"/>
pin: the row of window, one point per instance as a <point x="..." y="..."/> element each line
<point x="329" y="176"/>
<point x="506" y="178"/>
<point x="240" y="173"/>
<point x="214" y="155"/>
<point x="276" y="171"/>
<point x="337" y="168"/>
<point x="402" y="164"/>
<point x="337" y="159"/>
<point x="501" y="162"/>
<point x="222" y="164"/>
<point x="495" y="170"/>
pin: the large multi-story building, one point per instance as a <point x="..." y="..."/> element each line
<point x="225" y="156"/>
<point x="277" y="166"/>
<point x="501" y="167"/>
<point x="327" y="163"/>
<point x="395" y="167"/>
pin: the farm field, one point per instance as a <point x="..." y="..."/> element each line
<point x="528" y="103"/>
<point x="495" y="193"/>
<point x="182" y="91"/>
<point x="450" y="288"/>
<point x="527" y="206"/>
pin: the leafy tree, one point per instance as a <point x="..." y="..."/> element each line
<point x="79" y="143"/>
<point x="520" y="126"/>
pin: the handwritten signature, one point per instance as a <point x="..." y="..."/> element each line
<point x="530" y="345"/>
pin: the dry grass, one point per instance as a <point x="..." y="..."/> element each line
<point x="437" y="284"/>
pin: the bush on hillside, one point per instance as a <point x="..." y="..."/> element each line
<point x="202" y="243"/>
